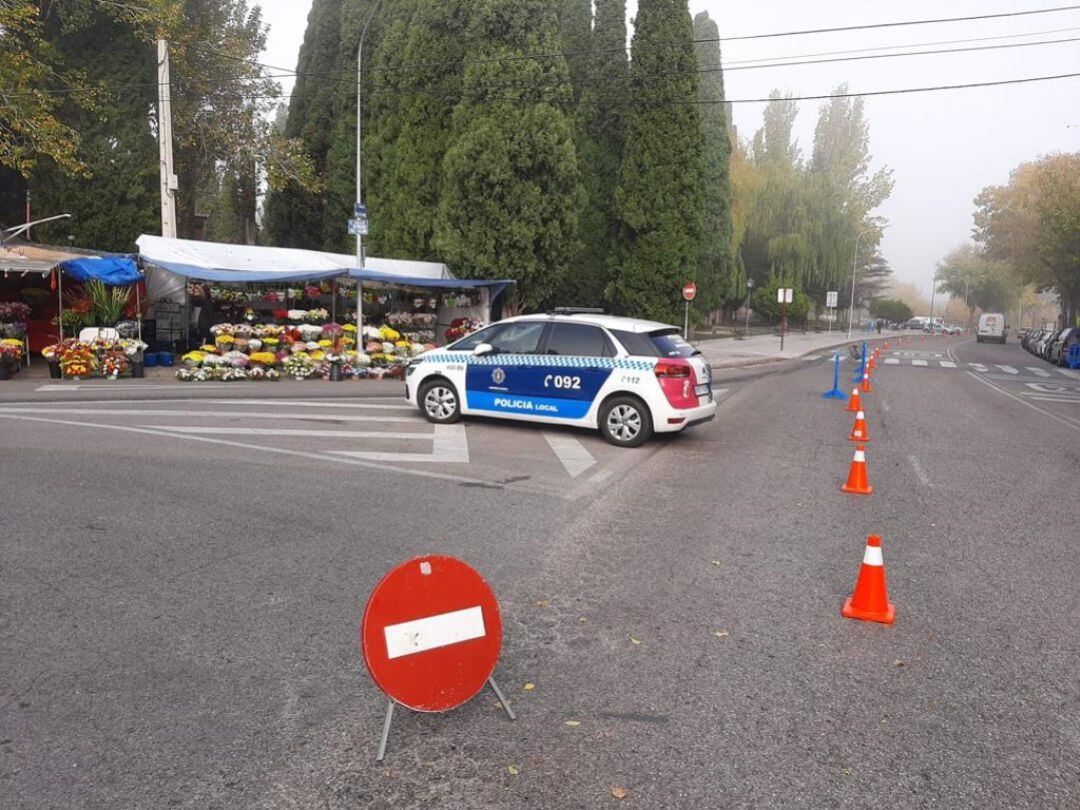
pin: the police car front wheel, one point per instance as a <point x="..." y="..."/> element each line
<point x="625" y="421"/>
<point x="439" y="402"/>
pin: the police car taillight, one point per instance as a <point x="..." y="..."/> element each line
<point x="676" y="378"/>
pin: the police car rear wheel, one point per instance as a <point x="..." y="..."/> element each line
<point x="439" y="402"/>
<point x="625" y="421"/>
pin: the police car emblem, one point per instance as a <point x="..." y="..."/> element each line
<point x="498" y="376"/>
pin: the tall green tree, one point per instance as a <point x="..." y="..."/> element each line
<point x="599" y="134"/>
<point x="510" y="176"/>
<point x="720" y="280"/>
<point x="660" y="196"/>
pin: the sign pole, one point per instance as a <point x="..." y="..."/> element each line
<point x="686" y="322"/>
<point x="783" y="322"/>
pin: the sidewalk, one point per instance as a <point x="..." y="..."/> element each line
<point x="730" y="352"/>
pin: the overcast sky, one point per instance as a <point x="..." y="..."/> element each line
<point x="943" y="147"/>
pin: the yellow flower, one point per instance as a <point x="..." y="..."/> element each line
<point x="326" y="344"/>
<point x="208" y="349"/>
<point x="349" y="327"/>
<point x="263" y="358"/>
<point x="318" y="354"/>
<point x="401" y="343"/>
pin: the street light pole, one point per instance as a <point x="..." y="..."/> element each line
<point x="854" y="266"/>
<point x="359" y="174"/>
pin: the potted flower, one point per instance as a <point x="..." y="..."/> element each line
<point x="11" y="352"/>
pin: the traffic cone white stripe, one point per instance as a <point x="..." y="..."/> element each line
<point x="872" y="556"/>
<point x="860" y="456"/>
<point x="860" y="415"/>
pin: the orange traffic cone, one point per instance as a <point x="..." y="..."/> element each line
<point x="870" y="602"/>
<point x="857" y="482"/>
<point x="866" y="387"/>
<point x="871" y="364"/>
<point x="855" y="404"/>
<point x="859" y="431"/>
<point x="886" y="345"/>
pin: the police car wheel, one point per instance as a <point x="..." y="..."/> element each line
<point x="625" y="421"/>
<point x="439" y="402"/>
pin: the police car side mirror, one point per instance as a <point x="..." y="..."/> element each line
<point x="482" y="349"/>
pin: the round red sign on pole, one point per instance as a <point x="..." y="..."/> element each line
<point x="689" y="291"/>
<point x="431" y="633"/>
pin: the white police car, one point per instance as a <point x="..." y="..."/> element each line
<point x="627" y="377"/>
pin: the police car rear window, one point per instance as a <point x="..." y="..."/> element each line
<point x="636" y="343"/>
<point x="671" y="344"/>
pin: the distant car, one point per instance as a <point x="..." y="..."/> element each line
<point x="1059" y="349"/>
<point x="952" y="329"/>
<point x="992" y="328"/>
<point x="1032" y="335"/>
<point x="1021" y="335"/>
<point x="625" y="377"/>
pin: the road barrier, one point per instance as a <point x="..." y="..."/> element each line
<point x="835" y="392"/>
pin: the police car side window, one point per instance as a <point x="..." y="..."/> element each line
<point x="578" y="340"/>
<point x="636" y="343"/>
<point x="475" y="339"/>
<point x="520" y="337"/>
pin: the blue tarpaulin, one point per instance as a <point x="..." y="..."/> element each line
<point x="116" y="271"/>
<point x="496" y="286"/>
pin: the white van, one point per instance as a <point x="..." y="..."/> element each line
<point x="991" y="327"/>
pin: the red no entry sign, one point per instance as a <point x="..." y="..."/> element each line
<point x="689" y="291"/>
<point x="431" y="633"/>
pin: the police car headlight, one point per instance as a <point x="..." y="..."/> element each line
<point x="410" y="368"/>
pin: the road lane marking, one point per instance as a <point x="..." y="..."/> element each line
<point x="1045" y="398"/>
<point x="307" y="417"/>
<point x="309" y="403"/>
<point x="1043" y="411"/>
<point x="948" y="364"/>
<point x="1068" y="372"/>
<point x="118" y="387"/>
<point x="979" y="367"/>
<point x="1008" y="369"/>
<point x="892" y="361"/>
<point x="572" y="453"/>
<point x="442" y="630"/>
<point x="919" y="472"/>
<point x="450" y="445"/>
<point x="313" y="434"/>
<point x="812" y="357"/>
<point x="922" y="363"/>
<point x="1038" y="372"/>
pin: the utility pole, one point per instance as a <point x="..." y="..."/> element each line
<point x="165" y="148"/>
<point x="28" y="237"/>
<point x="360" y="256"/>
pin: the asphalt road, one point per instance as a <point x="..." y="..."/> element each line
<point x="179" y="609"/>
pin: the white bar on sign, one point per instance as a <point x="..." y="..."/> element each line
<point x="442" y="630"/>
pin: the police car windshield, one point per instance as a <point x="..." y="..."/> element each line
<point x="669" y="343"/>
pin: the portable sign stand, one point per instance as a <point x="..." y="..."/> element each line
<point x="431" y="637"/>
<point x="835" y="392"/>
<point x="689" y="293"/>
<point x="784" y="296"/>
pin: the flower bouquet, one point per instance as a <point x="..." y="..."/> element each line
<point x="298" y="366"/>
<point x="318" y="314"/>
<point x="266" y="359"/>
<point x="77" y="360"/>
<point x="185" y="374"/>
<point x="296" y="314"/>
<point x="461" y="327"/>
<point x="13" y="330"/>
<point x="14" y="311"/>
<point x="114" y="364"/>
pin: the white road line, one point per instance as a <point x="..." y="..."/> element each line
<point x="450" y="445"/>
<point x="409" y="638"/>
<point x="1052" y="399"/>
<point x="313" y="434"/>
<point x="1008" y="369"/>
<point x="892" y="361"/>
<point x="979" y="367"/>
<point x="315" y="417"/>
<point x="572" y="453"/>
<point x="1038" y="372"/>
<point x="948" y="364"/>
<point x="1068" y="372"/>
<point x="919" y="472"/>
<point x="922" y="363"/>
<point x="111" y="386"/>
<point x="309" y="403"/>
<point x="1043" y="411"/>
<point x="812" y="357"/>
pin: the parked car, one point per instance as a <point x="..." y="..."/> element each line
<point x="1021" y="334"/>
<point x="1059" y="349"/>
<point x="1042" y="348"/>
<point x="1032" y="334"/>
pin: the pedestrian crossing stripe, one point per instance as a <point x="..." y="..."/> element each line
<point x="999" y="368"/>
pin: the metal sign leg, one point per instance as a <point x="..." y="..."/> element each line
<point x="385" y="731"/>
<point x="502" y="699"/>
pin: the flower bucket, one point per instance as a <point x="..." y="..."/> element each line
<point x="138" y="371"/>
<point x="5" y="371"/>
<point x="54" y="371"/>
<point x="335" y="372"/>
<point x="165" y="358"/>
<point x="150" y="359"/>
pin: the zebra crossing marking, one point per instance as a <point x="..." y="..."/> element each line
<point x="921" y="363"/>
<point x="948" y="364"/>
<point x="1038" y="372"/>
<point x="1008" y="369"/>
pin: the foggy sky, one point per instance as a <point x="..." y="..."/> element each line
<point x="943" y="147"/>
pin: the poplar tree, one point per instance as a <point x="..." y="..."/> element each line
<point x="720" y="281"/>
<point x="510" y="184"/>
<point x="660" y="195"/>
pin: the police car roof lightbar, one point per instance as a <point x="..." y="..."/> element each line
<point x="577" y="311"/>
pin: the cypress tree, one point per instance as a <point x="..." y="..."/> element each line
<point x="599" y="134"/>
<point x="660" y="197"/>
<point x="719" y="280"/>
<point x="294" y="217"/>
<point x="510" y="187"/>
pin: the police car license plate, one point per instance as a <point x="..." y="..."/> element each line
<point x="702" y="390"/>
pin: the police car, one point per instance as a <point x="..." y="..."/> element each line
<point x="628" y="378"/>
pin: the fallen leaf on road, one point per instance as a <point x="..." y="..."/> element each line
<point x="716" y="562"/>
<point x="619" y="792"/>
<point x="572" y="723"/>
<point x="582" y="619"/>
<point x="513" y="770"/>
<point x="897" y="663"/>
<point x="634" y="640"/>
<point x="544" y="603"/>
<point x="529" y="687"/>
<point x="721" y="633"/>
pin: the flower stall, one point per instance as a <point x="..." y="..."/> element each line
<point x="258" y="313"/>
